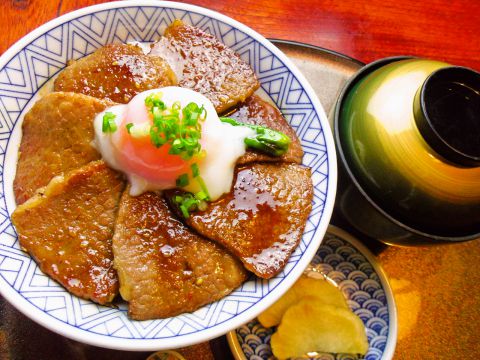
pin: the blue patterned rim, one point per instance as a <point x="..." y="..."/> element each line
<point x="351" y="265"/>
<point x="28" y="65"/>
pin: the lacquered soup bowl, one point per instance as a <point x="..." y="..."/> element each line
<point x="407" y="134"/>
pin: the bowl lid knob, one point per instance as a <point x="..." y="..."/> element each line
<point x="447" y="114"/>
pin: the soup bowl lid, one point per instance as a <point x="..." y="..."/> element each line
<point x="395" y="167"/>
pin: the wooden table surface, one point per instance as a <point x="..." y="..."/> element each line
<point x="436" y="289"/>
<point x="364" y="29"/>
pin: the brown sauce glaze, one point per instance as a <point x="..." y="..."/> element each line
<point x="204" y="64"/>
<point x="68" y="227"/>
<point x="117" y="72"/>
<point x="262" y="219"/>
<point x="57" y="136"/>
<point x="164" y="268"/>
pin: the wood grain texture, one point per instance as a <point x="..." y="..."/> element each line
<point x="366" y="30"/>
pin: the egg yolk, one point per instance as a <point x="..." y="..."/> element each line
<point x="137" y="155"/>
<point x="140" y="157"/>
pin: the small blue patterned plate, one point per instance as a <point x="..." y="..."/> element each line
<point x="353" y="267"/>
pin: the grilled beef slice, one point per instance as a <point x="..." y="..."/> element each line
<point x="202" y="63"/>
<point x="262" y="219"/>
<point x="57" y="136"/>
<point x="67" y="227"/>
<point x="164" y="268"/>
<point x="117" y="72"/>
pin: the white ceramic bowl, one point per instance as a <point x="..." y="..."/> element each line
<point x="32" y="61"/>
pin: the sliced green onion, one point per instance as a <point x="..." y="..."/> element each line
<point x="155" y="100"/>
<point x="139" y="130"/>
<point x="201" y="195"/>
<point x="185" y="212"/>
<point x="182" y="180"/>
<point x="108" y="123"/>
<point x="203" y="186"/>
<point x="155" y="137"/>
<point x="182" y="133"/>
<point x="195" y="170"/>
<point x="129" y="126"/>
<point x="176" y="106"/>
<point x="188" y="202"/>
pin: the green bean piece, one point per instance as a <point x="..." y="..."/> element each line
<point x="267" y="140"/>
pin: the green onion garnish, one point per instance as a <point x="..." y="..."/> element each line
<point x="108" y="123"/>
<point x="195" y="170"/>
<point x="129" y="126"/>
<point x="182" y="180"/>
<point x="180" y="128"/>
<point x="185" y="212"/>
<point x="201" y="196"/>
<point x="202" y="185"/>
<point x="138" y="130"/>
<point x="155" y="100"/>
<point x="189" y="202"/>
<point x="176" y="106"/>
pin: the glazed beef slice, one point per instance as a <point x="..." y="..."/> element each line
<point x="117" y="72"/>
<point x="256" y="111"/>
<point x="204" y="64"/>
<point x="164" y="268"/>
<point x="57" y="136"/>
<point x="262" y="219"/>
<point x="68" y="227"/>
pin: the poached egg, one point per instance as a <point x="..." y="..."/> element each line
<point x="149" y="167"/>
